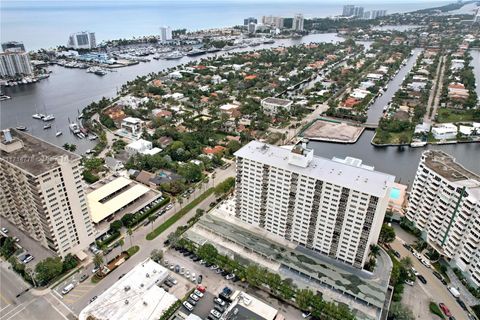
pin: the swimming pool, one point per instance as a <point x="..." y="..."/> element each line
<point x="395" y="193"/>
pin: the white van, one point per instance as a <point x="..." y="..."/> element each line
<point x="68" y="288"/>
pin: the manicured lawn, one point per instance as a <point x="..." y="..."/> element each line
<point x="167" y="224"/>
<point x="435" y="309"/>
<point x="452" y="115"/>
<point x="132" y="250"/>
<point x="394" y="137"/>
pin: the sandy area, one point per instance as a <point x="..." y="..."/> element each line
<point x="332" y="131"/>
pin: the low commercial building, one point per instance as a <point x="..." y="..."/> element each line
<point x="135" y="296"/>
<point x="113" y="195"/>
<point x="245" y="306"/>
<point x="445" y="205"/>
<point x="272" y="106"/>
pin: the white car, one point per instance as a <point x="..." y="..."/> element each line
<point x="198" y="293"/>
<point x="305" y="314"/>
<point x="219" y="301"/>
<point x="27" y="259"/>
<point x="214" y="267"/>
<point x="193" y="278"/>
<point x="194" y="297"/>
<point x="410" y="283"/>
<point x="187" y="305"/>
<point x="426" y="263"/>
<point x="215" y="313"/>
<point x="94" y="270"/>
<point x="415" y="272"/>
<point x="230" y="276"/>
<point x="4" y="230"/>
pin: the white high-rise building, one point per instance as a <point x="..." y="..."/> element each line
<point x="445" y="205"/>
<point x="15" y="64"/>
<point x="42" y="193"/>
<point x="82" y="40"/>
<point x="252" y="27"/>
<point x="297" y="23"/>
<point x="335" y="207"/>
<point x="165" y="34"/>
<point x="273" y="21"/>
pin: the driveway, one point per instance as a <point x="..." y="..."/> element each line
<point x="434" y="289"/>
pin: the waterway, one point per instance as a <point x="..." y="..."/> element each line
<point x="68" y="91"/>
<point x="375" y="111"/>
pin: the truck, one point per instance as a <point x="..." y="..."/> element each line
<point x="454" y="292"/>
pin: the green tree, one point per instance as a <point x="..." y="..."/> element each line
<point x="387" y="234"/>
<point x="208" y="253"/>
<point x="374" y="251"/>
<point x="191" y="172"/>
<point x="8" y="247"/>
<point x="254" y="275"/>
<point x="151" y="219"/>
<point x="156" y="255"/>
<point x="130" y="232"/>
<point x="116" y="225"/>
<point x="98" y="260"/>
<point x="224" y="186"/>
<point x="304" y="299"/>
<point x="121" y="242"/>
<point x="69" y="262"/>
<point x="48" y="269"/>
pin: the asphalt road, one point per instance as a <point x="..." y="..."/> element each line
<point x="26" y="306"/>
<point x="79" y="297"/>
<point x="434" y="288"/>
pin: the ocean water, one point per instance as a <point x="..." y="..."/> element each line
<point x="44" y="24"/>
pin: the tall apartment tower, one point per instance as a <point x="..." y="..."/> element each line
<point x="297" y="23"/>
<point x="42" y="193"/>
<point x="445" y="205"/>
<point x="335" y="207"/>
<point x="165" y="34"/>
<point x="82" y="40"/>
<point x="13" y="63"/>
<point x="348" y="10"/>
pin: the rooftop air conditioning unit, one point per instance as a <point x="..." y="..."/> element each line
<point x="127" y="288"/>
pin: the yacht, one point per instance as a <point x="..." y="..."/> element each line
<point x="21" y="128"/>
<point x="4" y="97"/>
<point x="74" y="127"/>
<point x="47" y="126"/>
<point x="174" y="55"/>
<point x="38" y="116"/>
<point x="195" y="52"/>
<point x="100" y="72"/>
<point x="49" y="117"/>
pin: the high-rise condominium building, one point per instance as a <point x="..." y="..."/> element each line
<point x="252" y="27"/>
<point x="378" y="14"/>
<point x="273" y="21"/>
<point x="358" y="12"/>
<point x="165" y="34"/>
<point x="297" y="23"/>
<point x="335" y="207"/>
<point x="82" y="40"/>
<point x="249" y="20"/>
<point x="14" y="64"/>
<point x="348" y="10"/>
<point x="12" y="46"/>
<point x="42" y="193"/>
<point x="445" y="205"/>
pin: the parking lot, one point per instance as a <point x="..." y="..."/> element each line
<point x="214" y="284"/>
<point x="27" y="244"/>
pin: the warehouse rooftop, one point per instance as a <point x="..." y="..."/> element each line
<point x="31" y="154"/>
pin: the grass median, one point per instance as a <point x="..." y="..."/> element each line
<point x="167" y="224"/>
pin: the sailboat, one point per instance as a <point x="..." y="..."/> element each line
<point x="37" y="115"/>
<point x="21" y="127"/>
<point x="48" y="117"/>
<point x="47" y="126"/>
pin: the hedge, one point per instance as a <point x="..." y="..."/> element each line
<point x="170" y="311"/>
<point x="132" y="250"/>
<point x="167" y="224"/>
<point x="150" y="211"/>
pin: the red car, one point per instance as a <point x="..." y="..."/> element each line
<point x="201" y="289"/>
<point x="445" y="310"/>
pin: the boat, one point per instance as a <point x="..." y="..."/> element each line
<point x="4" y="97"/>
<point x="74" y="127"/>
<point x="417" y="144"/>
<point x="21" y="128"/>
<point x="80" y="135"/>
<point x="269" y="41"/>
<point x="48" y="117"/>
<point x="174" y="55"/>
<point x="92" y="137"/>
<point x="100" y="72"/>
<point x="58" y="133"/>
<point x="47" y="126"/>
<point x="38" y="116"/>
<point x="211" y="50"/>
<point x="195" y="52"/>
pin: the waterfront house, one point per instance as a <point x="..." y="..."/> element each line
<point x="445" y="131"/>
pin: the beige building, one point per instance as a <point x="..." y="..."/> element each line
<point x="42" y="193"/>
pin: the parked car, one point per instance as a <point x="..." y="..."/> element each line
<point x="187" y="305"/>
<point x="230" y="276"/>
<point x="410" y="283"/>
<point x="219" y="302"/>
<point x="177" y="268"/>
<point x="306" y="314"/>
<point x="198" y="293"/>
<point x="95" y="269"/>
<point x="422" y="279"/>
<point x="214" y="267"/>
<point x="415" y="272"/>
<point x="172" y="280"/>
<point x="199" y="279"/>
<point x="121" y="276"/>
<point x="16" y="239"/>
<point x="83" y="277"/>
<point x="68" y="288"/>
<point x="194" y="297"/>
<point x="192" y="302"/>
<point x="219" y="308"/>
<point x="462" y="304"/>
<point x="445" y="309"/>
<point x="202" y="262"/>
<point x="28" y="258"/>
<point x="4" y="230"/>
<point x="215" y="313"/>
<point x="201" y="289"/>
<point x="93" y="299"/>
<point x="397" y="254"/>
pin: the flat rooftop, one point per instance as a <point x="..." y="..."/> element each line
<point x="105" y="199"/>
<point x="343" y="174"/>
<point x="36" y="156"/>
<point x="446" y="166"/>
<point x="246" y="307"/>
<point x="134" y="296"/>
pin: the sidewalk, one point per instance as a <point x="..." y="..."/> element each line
<point x="465" y="295"/>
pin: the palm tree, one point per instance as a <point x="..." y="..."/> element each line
<point x="151" y="219"/>
<point x="121" y="242"/>
<point x="374" y="251"/>
<point x="97" y="260"/>
<point x="130" y="232"/>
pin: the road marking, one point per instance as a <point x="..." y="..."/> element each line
<point x="12" y="310"/>
<point x="61" y="302"/>
<point x="23" y="308"/>
<point x="58" y="310"/>
<point x="1" y="310"/>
